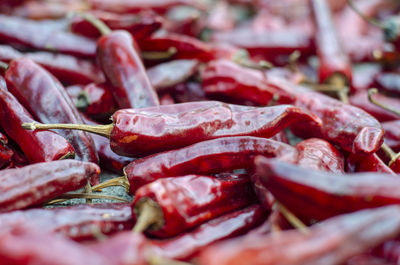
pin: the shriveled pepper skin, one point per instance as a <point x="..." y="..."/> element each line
<point x="207" y="157"/>
<point x="37" y="183"/>
<point x="38" y="146"/>
<point x="45" y="97"/>
<point x="150" y="130"/>
<point x="194" y="199"/>
<point x="314" y="195"/>
<point x="187" y="245"/>
<point x="367" y="163"/>
<point x="330" y="242"/>
<point x="79" y="222"/>
<point x="124" y="69"/>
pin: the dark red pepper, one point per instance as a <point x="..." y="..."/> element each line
<point x="367" y="163"/>
<point x="5" y="152"/>
<point x="392" y="134"/>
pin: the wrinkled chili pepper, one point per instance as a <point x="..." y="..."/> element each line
<point x="368" y="163"/>
<point x="5" y="152"/>
<point x="37" y="183"/>
<point x="37" y="146"/>
<point x="79" y="222"/>
<point x="331" y="242"/>
<point x="139" y="132"/>
<point x="313" y="195"/>
<point x="45" y="97"/>
<point x="207" y="157"/>
<point x="44" y="35"/>
<point x="169" y="206"/>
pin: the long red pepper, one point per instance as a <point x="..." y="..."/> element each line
<point x="37" y="146"/>
<point x="207" y="157"/>
<point x="79" y="222"/>
<point x="34" y="184"/>
<point x="368" y="163"/>
<point x="329" y="243"/>
<point x="319" y="195"/>
<point x="44" y="35"/>
<point x="169" y="206"/>
<point x="47" y="100"/>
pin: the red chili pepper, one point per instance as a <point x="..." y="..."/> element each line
<point x="315" y="195"/>
<point x="368" y="163"/>
<point x="392" y="134"/>
<point x="331" y="242"/>
<point x="48" y="101"/>
<point x="39" y="146"/>
<point x="18" y="159"/>
<point x="5" y="152"/>
<point x="34" y="184"/>
<point x="188" y="92"/>
<point x="389" y="82"/>
<point x="66" y="68"/>
<point x="389" y="250"/>
<point x="281" y="137"/>
<point x="207" y="157"/>
<point x="79" y="222"/>
<point x="187" y="245"/>
<point x="364" y="76"/>
<point x="44" y="35"/>
<point x="169" y="206"/>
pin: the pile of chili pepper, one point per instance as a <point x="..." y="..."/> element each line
<point x="244" y="131"/>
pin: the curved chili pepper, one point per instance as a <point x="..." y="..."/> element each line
<point x="314" y="195"/>
<point x="34" y="184"/>
<point x="180" y="203"/>
<point x="40" y="146"/>
<point x="44" y="35"/>
<point x="368" y="163"/>
<point x="79" y="222"/>
<point x="48" y="101"/>
<point x="207" y="157"/>
<point x="5" y="152"/>
<point x="333" y="241"/>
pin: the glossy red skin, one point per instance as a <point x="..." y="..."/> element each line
<point x="186" y="245"/>
<point x="140" y="26"/>
<point x="124" y="69"/>
<point x="171" y="73"/>
<point x="191" y="200"/>
<point x="38" y="146"/>
<point x="392" y="134"/>
<point x="333" y="242"/>
<point x="368" y="163"/>
<point x="332" y="58"/>
<point x="360" y="100"/>
<point x="315" y="195"/>
<point x="79" y="222"/>
<point x="139" y="132"/>
<point x="207" y="157"/>
<point x="45" y="97"/>
<point x="388" y="81"/>
<point x="67" y="68"/>
<point x="37" y="247"/>
<point x="44" y="35"/>
<point x="318" y="154"/>
<point x="37" y="183"/>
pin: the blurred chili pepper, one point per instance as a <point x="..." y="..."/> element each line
<point x="207" y="157"/>
<point x="47" y="100"/>
<point x="79" y="222"/>
<point x="313" y="195"/>
<point x="389" y="250"/>
<point x="188" y="92"/>
<point x="367" y="163"/>
<point x="5" y="152"/>
<point x="389" y="82"/>
<point x="187" y="245"/>
<point x="44" y="35"/>
<point x="34" y="184"/>
<point x="330" y="241"/>
<point x="169" y="206"/>
<point x="392" y="134"/>
<point x="364" y="76"/>
<point x="37" y="146"/>
<point x="220" y="17"/>
<point x="167" y="99"/>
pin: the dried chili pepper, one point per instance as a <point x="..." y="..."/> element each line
<point x="169" y="206"/>
<point x="138" y="132"/>
<point x="207" y="157"/>
<point x="392" y="134"/>
<point x="368" y="163"/>
<point x="37" y="183"/>
<point x="5" y="152"/>
<point x="389" y="82"/>
<point x="333" y="241"/>
<point x="79" y="222"/>
<point x="37" y="146"/>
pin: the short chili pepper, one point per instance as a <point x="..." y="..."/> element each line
<point x="367" y="163"/>
<point x="44" y="35"/>
<point x="314" y="195"/>
<point x="207" y="157"/>
<point x="330" y="242"/>
<point x="189" y="244"/>
<point x="139" y="132"/>
<point x="169" y="206"/>
<point x="45" y="97"/>
<point x="37" y="183"/>
<point x="5" y="152"/>
<point x="38" y="146"/>
<point x="78" y="222"/>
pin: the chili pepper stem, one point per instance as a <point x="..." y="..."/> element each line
<point x="121" y="181"/>
<point x="103" y="130"/>
<point x="390" y="153"/>
<point x="88" y="190"/>
<point x="339" y="81"/>
<point x="3" y="66"/>
<point x="293" y="220"/>
<point x="69" y="196"/>
<point x="69" y="155"/>
<point x="156" y="260"/>
<point x="149" y="214"/>
<point x="97" y="23"/>
<point x="373" y="91"/>
<point x="159" y="55"/>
